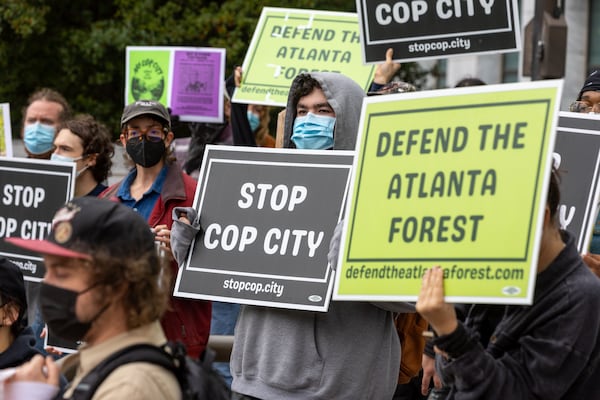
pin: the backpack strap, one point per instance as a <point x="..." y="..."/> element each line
<point x="136" y="353"/>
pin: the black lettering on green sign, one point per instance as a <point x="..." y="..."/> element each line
<point x="322" y="55"/>
<point x="423" y="141"/>
<point x="431" y="229"/>
<point x="443" y="184"/>
<point x="502" y="136"/>
<point x="302" y="32"/>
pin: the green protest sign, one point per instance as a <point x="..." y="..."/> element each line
<point x="288" y="42"/>
<point x="455" y="178"/>
<point x="147" y="74"/>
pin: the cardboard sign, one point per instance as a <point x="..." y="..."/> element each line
<point x="5" y="131"/>
<point x="422" y="29"/>
<point x="189" y="80"/>
<point x="288" y="42"/>
<point x="577" y="156"/>
<point x="267" y="218"/>
<point x="31" y="191"/>
<point x="455" y="178"/>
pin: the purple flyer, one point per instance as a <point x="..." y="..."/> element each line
<point x="197" y="84"/>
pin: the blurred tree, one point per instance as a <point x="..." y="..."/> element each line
<point x="78" y="48"/>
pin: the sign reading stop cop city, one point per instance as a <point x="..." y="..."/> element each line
<point x="30" y="193"/>
<point x="421" y="29"/>
<point x="288" y="42"/>
<point x="267" y="217"/>
<point x="455" y="178"/>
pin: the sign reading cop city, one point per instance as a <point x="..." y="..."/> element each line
<point x="455" y="178"/>
<point x="577" y="156"/>
<point x="288" y="42"/>
<point x="30" y="193"/>
<point x="420" y="29"/>
<point x="267" y="217"/>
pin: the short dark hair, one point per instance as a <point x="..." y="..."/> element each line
<point x="95" y="139"/>
<point x="554" y="193"/>
<point x="470" y="82"/>
<point x="305" y="84"/>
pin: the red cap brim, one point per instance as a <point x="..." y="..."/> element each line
<point x="46" y="247"/>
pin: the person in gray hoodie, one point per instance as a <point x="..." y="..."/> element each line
<point x="351" y="351"/>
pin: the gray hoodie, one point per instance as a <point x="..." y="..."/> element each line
<point x="350" y="352"/>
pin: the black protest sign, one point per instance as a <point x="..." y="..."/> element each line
<point x="420" y="29"/>
<point x="30" y="193"/>
<point x="60" y="344"/>
<point x="577" y="155"/>
<point x="267" y="217"/>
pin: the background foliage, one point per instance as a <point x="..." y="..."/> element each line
<point x="78" y="47"/>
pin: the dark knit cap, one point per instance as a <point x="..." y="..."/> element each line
<point x="592" y="84"/>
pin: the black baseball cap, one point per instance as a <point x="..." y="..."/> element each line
<point x="145" y="107"/>
<point x="87" y="224"/>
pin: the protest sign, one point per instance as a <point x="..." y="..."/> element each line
<point x="422" y="29"/>
<point x="189" y="80"/>
<point x="577" y="156"/>
<point x="6" y="131"/>
<point x="267" y="217"/>
<point x="455" y="178"/>
<point x="31" y="192"/>
<point x="288" y="42"/>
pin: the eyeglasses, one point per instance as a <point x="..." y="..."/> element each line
<point x="153" y="134"/>
<point x="584" y="107"/>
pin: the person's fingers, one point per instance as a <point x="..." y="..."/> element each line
<point x="425" y="382"/>
<point x="389" y="55"/>
<point x="52" y="371"/>
<point x="31" y="370"/>
<point x="437" y="382"/>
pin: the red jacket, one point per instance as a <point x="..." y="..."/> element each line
<point x="186" y="320"/>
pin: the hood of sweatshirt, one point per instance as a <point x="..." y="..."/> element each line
<point x="345" y="97"/>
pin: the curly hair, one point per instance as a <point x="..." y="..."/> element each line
<point x="305" y="84"/>
<point x="147" y="278"/>
<point x="95" y="139"/>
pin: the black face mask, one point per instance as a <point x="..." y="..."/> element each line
<point x="145" y="153"/>
<point x="58" y="311"/>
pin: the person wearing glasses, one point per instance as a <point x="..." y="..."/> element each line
<point x="153" y="187"/>
<point x="588" y="100"/>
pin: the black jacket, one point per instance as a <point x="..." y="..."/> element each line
<point x="549" y="350"/>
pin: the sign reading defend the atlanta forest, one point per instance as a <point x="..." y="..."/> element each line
<point x="189" y="80"/>
<point x="422" y="29"/>
<point x="577" y="155"/>
<point x="30" y="193"/>
<point x="288" y="42"/>
<point x="267" y="218"/>
<point x="456" y="178"/>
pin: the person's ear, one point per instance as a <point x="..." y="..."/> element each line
<point x="91" y="160"/>
<point x="169" y="138"/>
<point x="11" y="313"/>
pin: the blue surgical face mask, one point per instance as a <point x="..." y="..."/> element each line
<point x="58" y="157"/>
<point x="39" y="138"/>
<point x="313" y="132"/>
<point x="254" y="120"/>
